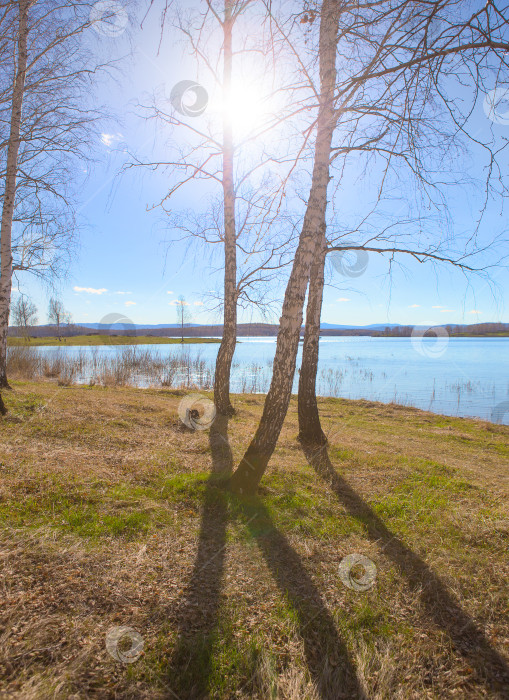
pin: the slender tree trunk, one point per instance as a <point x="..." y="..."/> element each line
<point x="10" y="188"/>
<point x="310" y="430"/>
<point x="253" y="464"/>
<point x="229" y="339"/>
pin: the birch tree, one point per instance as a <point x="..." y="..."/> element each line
<point x="48" y="74"/>
<point x="24" y="315"/>
<point x="57" y="315"/>
<point x="380" y="56"/>
<point x="253" y="464"/>
<point x="216" y="151"/>
<point x="413" y="130"/>
<point x="19" y="27"/>
<point x="183" y="314"/>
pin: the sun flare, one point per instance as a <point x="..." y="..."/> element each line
<point x="246" y="107"/>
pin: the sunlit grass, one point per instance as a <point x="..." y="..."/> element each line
<point x="105" y="504"/>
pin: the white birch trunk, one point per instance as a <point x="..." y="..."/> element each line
<point x="252" y="467"/>
<point x="310" y="430"/>
<point x="229" y="339"/>
<point x="10" y="187"/>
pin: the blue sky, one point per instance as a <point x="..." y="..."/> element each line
<point x="130" y="263"/>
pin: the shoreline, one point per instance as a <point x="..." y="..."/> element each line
<point x="322" y="398"/>
<point x="98" y="340"/>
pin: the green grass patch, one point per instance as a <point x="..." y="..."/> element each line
<point x="424" y="499"/>
<point x="23" y="406"/>
<point x="125" y="510"/>
<point x="214" y="663"/>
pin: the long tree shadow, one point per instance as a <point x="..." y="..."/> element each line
<point x="491" y="668"/>
<point x="190" y="664"/>
<point x="327" y="656"/>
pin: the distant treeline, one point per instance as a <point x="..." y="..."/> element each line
<point x="481" y="329"/>
<point x="259" y="329"/>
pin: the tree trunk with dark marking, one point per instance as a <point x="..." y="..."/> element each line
<point x="229" y="339"/>
<point x="310" y="429"/>
<point x="254" y="463"/>
<point x="10" y="188"/>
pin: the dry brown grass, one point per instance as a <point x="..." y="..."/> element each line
<point x="107" y="520"/>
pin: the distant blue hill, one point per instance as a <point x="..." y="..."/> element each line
<point x="173" y="330"/>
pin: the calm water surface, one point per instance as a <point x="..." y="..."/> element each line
<point x="456" y="377"/>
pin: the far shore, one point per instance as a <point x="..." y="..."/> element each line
<point x="84" y="340"/>
<point x="80" y="340"/>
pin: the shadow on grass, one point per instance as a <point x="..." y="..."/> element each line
<point x="444" y="610"/>
<point x="327" y="656"/>
<point x="190" y="664"/>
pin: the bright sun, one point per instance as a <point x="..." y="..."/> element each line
<point x="246" y="108"/>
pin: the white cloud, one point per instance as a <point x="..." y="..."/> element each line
<point x="109" y="139"/>
<point x="198" y="303"/>
<point x="343" y="299"/>
<point x="437" y="307"/>
<point x="14" y="290"/>
<point x="169" y="292"/>
<point x="474" y="311"/>
<point x="175" y="302"/>
<point x="415" y="306"/>
<point x="123" y="292"/>
<point x="89" y="290"/>
<point x="130" y="303"/>
<point x="447" y="311"/>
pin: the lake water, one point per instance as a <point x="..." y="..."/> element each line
<point x="456" y="376"/>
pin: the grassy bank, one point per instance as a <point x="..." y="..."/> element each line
<point x="80" y="340"/>
<point x="109" y="518"/>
